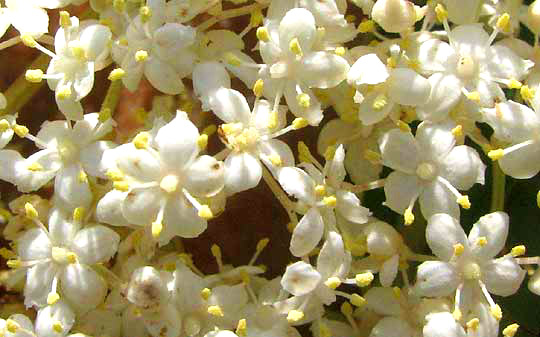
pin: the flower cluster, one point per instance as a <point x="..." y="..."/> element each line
<point x="434" y="92"/>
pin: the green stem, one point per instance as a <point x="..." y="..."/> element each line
<point x="112" y="98"/>
<point x="497" y="188"/>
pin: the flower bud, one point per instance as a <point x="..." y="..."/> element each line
<point x="534" y="16"/>
<point x="394" y="16"/>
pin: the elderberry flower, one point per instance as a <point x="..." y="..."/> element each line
<point x="428" y="167"/>
<point x="58" y="261"/>
<point x="157" y="180"/>
<point x="17" y="12"/>
<point x="320" y="193"/>
<point x="468" y="265"/>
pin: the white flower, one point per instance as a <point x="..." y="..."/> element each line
<point x="443" y="324"/>
<point x="68" y="153"/>
<point x="6" y="129"/>
<point x="520" y="126"/>
<point x="468" y="265"/>
<point x="320" y="194"/>
<point x="59" y="260"/>
<point x="80" y="51"/>
<point x="428" y="167"/>
<point x="468" y="65"/>
<point x="157" y="178"/>
<point x="250" y="136"/>
<point x="17" y="13"/>
<point x="383" y="88"/>
<point x="394" y="16"/>
<point x="294" y="66"/>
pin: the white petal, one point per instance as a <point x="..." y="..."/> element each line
<point x="82" y="286"/>
<point x="27" y="180"/>
<point x="297" y="23"/>
<point x="163" y="76"/>
<point x="442" y="233"/>
<point x="388" y="271"/>
<point x="463" y="167"/>
<point x="437" y="198"/>
<point x="140" y="206"/>
<point x="20" y="11"/>
<point x="313" y="113"/>
<point x="95" y="244"/>
<point x="416" y="91"/>
<point x="504" y="63"/>
<point x="91" y="158"/>
<point x="399" y="151"/>
<point x="391" y="327"/>
<point x="138" y="164"/>
<point x="368" y="114"/>
<point x="332" y="256"/>
<point x="62" y="228"/>
<point x="335" y="170"/>
<point x="307" y="233"/>
<point x="205" y="177"/>
<point x="503" y="276"/>
<point x="59" y="312"/>
<point x="70" y="107"/>
<point x="348" y="206"/>
<point x="435" y="278"/>
<point x="368" y="69"/>
<point x="523" y="163"/>
<point x="94" y="39"/>
<point x="493" y="227"/>
<point x="276" y="147"/>
<point x="512" y="122"/>
<point x="207" y="78"/>
<point x="34" y="244"/>
<point x="445" y="94"/>
<point x="242" y="172"/>
<point x="109" y="208"/>
<point x="70" y="189"/>
<point x="38" y="285"/>
<point x="400" y="190"/>
<point x="177" y="142"/>
<point x="471" y="40"/>
<point x="383" y="301"/>
<point x="435" y="140"/>
<point x="300" y="278"/>
<point x="83" y="80"/>
<point x="231" y="106"/>
<point x="180" y="218"/>
<point x="442" y="324"/>
<point x="433" y="55"/>
<point x="323" y="70"/>
<point x="297" y="183"/>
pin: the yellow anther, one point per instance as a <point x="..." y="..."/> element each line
<point x="35" y="167"/>
<point x="295" y="48"/>
<point x="299" y="123"/>
<point x="28" y="40"/>
<point x="275" y="159"/>
<point x="12" y="326"/>
<point x="215" y="310"/>
<point x="30" y="211"/>
<point x="380" y="102"/>
<point x="205" y="212"/>
<point x="473" y="96"/>
<point x="408" y="217"/>
<point x="169" y="266"/>
<point x="14" y="263"/>
<point x="216" y="251"/>
<point x="397" y="292"/>
<point x="57" y="327"/>
<point x="441" y="13"/>
<point x="157" y="228"/>
<point x="262" y="34"/>
<point x="347" y="309"/>
<point x="258" y="88"/>
<point x="116" y="74"/>
<point x="141" y="140"/>
<point x="77" y="50"/>
<point x="391" y="62"/>
<point x="464" y="202"/>
<point x="340" y="51"/>
<point x="65" y="20"/>
<point x="496" y="154"/>
<point x="458" y="249"/>
<point x="527" y="93"/>
<point x="121" y="185"/>
<point x="372" y="156"/>
<point x="473" y="324"/>
<point x="358" y="300"/>
<point x="71" y="257"/>
<point x="403" y="126"/>
<point x="119" y="5"/>
<point x="145" y="12"/>
<point x="82" y="177"/>
<point x="332" y="282"/>
<point x="261" y="245"/>
<point x="79" y="213"/>
<point x="63" y="92"/>
<point x="210" y="130"/>
<point x="303" y="100"/>
<point x="232" y="59"/>
<point x="503" y="23"/>
<point x="4" y="125"/>
<point x="241" y="328"/>
<point x="230" y="128"/>
<point x="514" y="84"/>
<point x="52" y="298"/>
<point x="20" y="130"/>
<point x="320" y="190"/>
<point x="123" y="41"/>
<point x="141" y="55"/>
<point x="364" y="279"/>
<point x="366" y="26"/>
<point x="115" y="175"/>
<point x="510" y="330"/>
<point x="518" y="251"/>
<point x="205" y="293"/>
<point x="34" y="75"/>
<point x="457" y="314"/>
<point x="295" y="316"/>
<point x="481" y="241"/>
<point x="202" y="141"/>
<point x="256" y="18"/>
<point x="457" y="131"/>
<point x="330" y="201"/>
<point x="496" y="312"/>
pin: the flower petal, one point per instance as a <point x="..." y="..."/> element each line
<point x="307" y="233"/>
<point x="442" y="233"/>
<point x="522" y="163"/>
<point x="435" y="140"/>
<point x="230" y="106"/>
<point x="436" y="278"/>
<point x="297" y="183"/>
<point x="38" y="285"/>
<point x="205" y="177"/>
<point x="416" y="92"/>
<point x="71" y="188"/>
<point x="300" y="278"/>
<point x="323" y="70"/>
<point x="95" y="244"/>
<point x="242" y="172"/>
<point x="463" y="168"/>
<point x="400" y="190"/>
<point x="82" y="286"/>
<point x="399" y="151"/>
<point x="503" y="276"/>
<point x="494" y="228"/>
<point x="140" y="206"/>
<point x="348" y="206"/>
<point x="437" y="198"/>
<point x="368" y="69"/>
<point x="177" y="142"/>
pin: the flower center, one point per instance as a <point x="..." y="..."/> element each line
<point x="67" y="150"/>
<point x="61" y="255"/>
<point x="169" y="183"/>
<point x="466" y="68"/>
<point x="426" y="171"/>
<point x="472" y="271"/>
